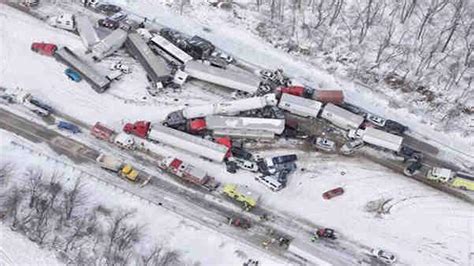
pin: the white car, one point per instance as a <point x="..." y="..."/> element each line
<point x="376" y="120"/>
<point x="119" y="66"/>
<point x="324" y="144"/>
<point x="383" y="256"/>
<point x="349" y="147"/>
<point x="229" y="59"/>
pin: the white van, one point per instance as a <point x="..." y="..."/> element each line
<point x="244" y="164"/>
<point x="64" y="21"/>
<point x="270" y="182"/>
<point x="440" y="174"/>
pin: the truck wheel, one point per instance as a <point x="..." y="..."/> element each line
<point x="463" y="188"/>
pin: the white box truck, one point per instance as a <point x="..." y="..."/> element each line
<point x="299" y="105"/>
<point x="378" y="138"/>
<point x="341" y="117"/>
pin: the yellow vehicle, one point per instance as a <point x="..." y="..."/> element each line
<point x="129" y="173"/>
<point x="241" y="194"/>
<point x="463" y="183"/>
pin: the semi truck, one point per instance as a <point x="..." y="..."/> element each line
<point x="229" y="107"/>
<point x="299" y="105"/>
<point x="228" y="78"/>
<point x="118" y="166"/>
<point x="215" y="122"/>
<point x="122" y="140"/>
<point x="189" y="172"/>
<point x="86" y="31"/>
<point x="378" y="138"/>
<point x="177" y="139"/>
<point x="341" y="117"/>
<point x="242" y="194"/>
<point x="324" y="96"/>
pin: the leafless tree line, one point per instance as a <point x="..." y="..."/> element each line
<point x="57" y="217"/>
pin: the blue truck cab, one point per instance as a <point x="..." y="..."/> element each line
<point x="72" y="75"/>
<point x="69" y="127"/>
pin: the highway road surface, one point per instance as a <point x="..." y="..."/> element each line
<point x="195" y="205"/>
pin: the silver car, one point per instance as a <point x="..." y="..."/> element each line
<point x="383" y="256"/>
<point x="324" y="144"/>
<point x="376" y="120"/>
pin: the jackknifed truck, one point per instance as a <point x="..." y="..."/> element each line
<point x="378" y="138"/>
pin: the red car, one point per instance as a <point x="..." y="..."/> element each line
<point x="333" y="193"/>
<point x="44" y="48"/>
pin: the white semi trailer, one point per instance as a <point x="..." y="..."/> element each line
<point x="196" y="145"/>
<point x="341" y="117"/>
<point x="299" y="105"/>
<point x="230" y="107"/>
<point x="378" y="138"/>
<point x="214" y="122"/>
<point x="228" y="78"/>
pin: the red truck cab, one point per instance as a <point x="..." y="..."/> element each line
<point x="139" y="128"/>
<point x="102" y="132"/>
<point x="226" y="141"/>
<point x="44" y="48"/>
<point x="293" y="90"/>
<point x="196" y="126"/>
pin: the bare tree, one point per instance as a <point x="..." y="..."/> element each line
<point x="6" y="171"/>
<point x="73" y="199"/>
<point x="435" y="7"/>
<point x="34" y="177"/>
<point x="152" y="257"/>
<point x="12" y="205"/>
<point x="454" y="23"/>
<point x="336" y="6"/>
<point x="407" y="9"/>
<point x="170" y="258"/>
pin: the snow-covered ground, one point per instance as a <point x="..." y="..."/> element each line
<point x="193" y="241"/>
<point x="424" y="226"/>
<point x="13" y="247"/>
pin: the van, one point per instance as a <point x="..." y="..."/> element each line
<point x="270" y="182"/>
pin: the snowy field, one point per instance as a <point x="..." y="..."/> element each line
<point x="422" y="226"/>
<point x="195" y="243"/>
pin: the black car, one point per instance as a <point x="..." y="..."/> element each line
<point x="108" y="9"/>
<point x="241" y="153"/>
<point x="109" y="24"/>
<point x="354" y="109"/>
<point x="231" y="167"/>
<point x="394" y="127"/>
<point x="284" y="159"/>
<point x="200" y="48"/>
<point x="409" y="153"/>
<point x="411" y="169"/>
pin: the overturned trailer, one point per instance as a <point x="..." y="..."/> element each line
<point x="223" y="77"/>
<point x="156" y="67"/>
<point x="86" y="31"/>
<point x="109" y="44"/>
<point x="97" y="81"/>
